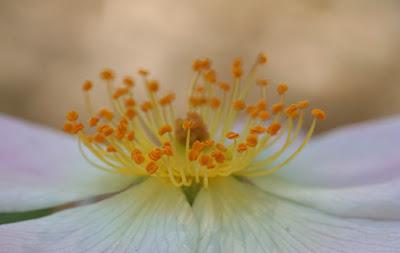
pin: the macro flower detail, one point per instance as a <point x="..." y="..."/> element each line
<point x="230" y="175"/>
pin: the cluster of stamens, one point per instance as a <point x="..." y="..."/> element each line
<point x="147" y="139"/>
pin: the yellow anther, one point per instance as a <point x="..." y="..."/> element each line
<point x="274" y="128"/>
<point x="242" y="147"/>
<point x="232" y="135"/>
<point x="87" y="86"/>
<point x="137" y="156"/>
<point x="111" y="149"/>
<point x="128" y="81"/>
<point x="107" y="75"/>
<point x="282" y="88"/>
<point x="318" y="114"/>
<point x="165" y="129"/>
<point x="276" y="108"/>
<point x="72" y="116"/>
<point x="151" y="168"/>
<point x="239" y="105"/>
<point x="153" y="86"/>
<point x="262" y="58"/>
<point x="252" y="140"/>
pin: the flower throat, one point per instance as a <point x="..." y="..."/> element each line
<point x="146" y="138"/>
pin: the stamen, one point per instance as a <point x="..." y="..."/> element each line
<point x="143" y="137"/>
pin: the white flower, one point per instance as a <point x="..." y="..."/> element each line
<point x="189" y="194"/>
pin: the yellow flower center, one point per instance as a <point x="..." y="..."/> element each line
<point x="148" y="139"/>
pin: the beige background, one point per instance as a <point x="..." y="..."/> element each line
<point x="343" y="55"/>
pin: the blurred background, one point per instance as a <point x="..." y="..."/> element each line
<point x="342" y="55"/>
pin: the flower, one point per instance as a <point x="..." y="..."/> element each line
<point x="198" y="184"/>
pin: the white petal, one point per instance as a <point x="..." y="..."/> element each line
<point x="237" y="217"/>
<point x="40" y="167"/>
<point x="148" y="218"/>
<point x="374" y="201"/>
<point x="361" y="154"/>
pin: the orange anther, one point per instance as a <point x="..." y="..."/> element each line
<point x="167" y="150"/>
<point x="129" y="102"/>
<point x="193" y="155"/>
<point x="68" y="128"/>
<point x="258" y="130"/>
<point x="318" y="114"/>
<point x="99" y="138"/>
<point x="167" y="99"/>
<point x="224" y="86"/>
<point x="107" y="75"/>
<point x="303" y="104"/>
<point x="262" y="58"/>
<point x="130" y="136"/>
<point x="253" y="111"/>
<point x="165" y="129"/>
<point x="120" y="133"/>
<point x="197" y="65"/>
<point x="146" y="106"/>
<point x="72" y="116"/>
<point x="153" y="86"/>
<point x="204" y="160"/>
<point x="128" y="81"/>
<point x="237" y="71"/>
<point x="239" y="105"/>
<point x="274" y="128"/>
<point x="187" y="124"/>
<point x="130" y="113"/>
<point x="87" y="86"/>
<point x="93" y="121"/>
<point x="77" y="128"/>
<point x="237" y="62"/>
<point x="218" y="156"/>
<point x="252" y="140"/>
<point x="111" y="149"/>
<point x="105" y="129"/>
<point x="155" y="154"/>
<point x="200" y="89"/>
<point x="262" y="82"/>
<point x="205" y="63"/>
<point x="106" y="114"/>
<point x="198" y="145"/>
<point x="210" y="76"/>
<point x="120" y="92"/>
<point x="232" y="135"/>
<point x="263" y="115"/>
<point x="143" y="72"/>
<point x="292" y="111"/>
<point x="262" y="105"/>
<point x="282" y="88"/>
<point x="151" y="168"/>
<point x="137" y="156"/>
<point x="242" y="147"/>
<point x="215" y="103"/>
<point x="221" y="147"/>
<point x="276" y="108"/>
<point x="208" y="143"/>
